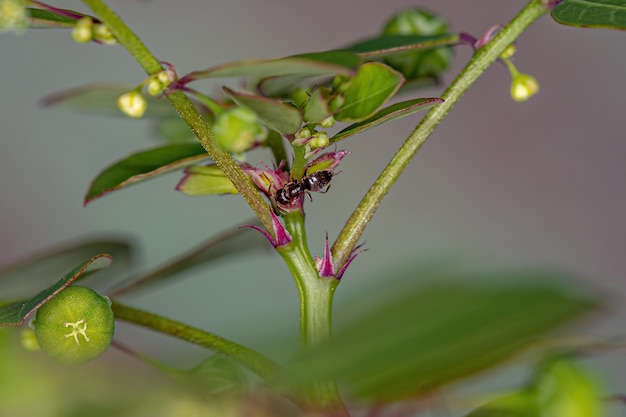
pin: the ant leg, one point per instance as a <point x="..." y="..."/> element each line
<point x="325" y="190"/>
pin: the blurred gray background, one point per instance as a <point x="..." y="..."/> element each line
<point x="498" y="183"/>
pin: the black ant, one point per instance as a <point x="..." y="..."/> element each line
<point x="316" y="182"/>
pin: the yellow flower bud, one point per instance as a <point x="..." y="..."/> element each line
<point x="320" y="140"/>
<point x="13" y="15"/>
<point x="328" y="122"/>
<point x="82" y="32"/>
<point x="132" y="104"/>
<point x="102" y="33"/>
<point x="523" y="87"/>
<point x="508" y="52"/>
<point x="155" y="87"/>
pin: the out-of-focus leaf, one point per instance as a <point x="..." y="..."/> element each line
<point x="275" y="114"/>
<point x="144" y="165"/>
<point x="606" y="14"/>
<point x="28" y="276"/>
<point x="436" y="334"/>
<point x="214" y="377"/>
<point x="233" y="242"/>
<point x="173" y="130"/>
<point x="517" y="404"/>
<point x="561" y="387"/>
<point x="390" y="45"/>
<point x="16" y="313"/>
<point x="388" y="114"/>
<point x="310" y="65"/>
<point x="102" y="99"/>
<point x="373" y="84"/>
<point x="42" y="19"/>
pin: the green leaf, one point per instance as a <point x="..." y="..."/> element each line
<point x="561" y="387"/>
<point x="144" y="165"/>
<point x="316" y="107"/>
<point x="23" y="278"/>
<point x="42" y="19"/>
<point x="205" y="180"/>
<point x="16" y="313"/>
<point x="232" y="242"/>
<point x="373" y="84"/>
<point x="388" y="114"/>
<point x="310" y="65"/>
<point x="282" y="85"/>
<point x="606" y="14"/>
<point x="433" y="335"/>
<point x="565" y="388"/>
<point x="390" y="45"/>
<point x="275" y="114"/>
<point x="102" y="99"/>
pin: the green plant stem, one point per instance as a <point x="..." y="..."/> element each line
<point x="482" y="59"/>
<point x="252" y="360"/>
<point x="185" y="109"/>
<point x="316" y="301"/>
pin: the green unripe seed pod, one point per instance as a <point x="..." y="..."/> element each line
<point x="238" y="129"/>
<point x="420" y="63"/>
<point x="75" y="326"/>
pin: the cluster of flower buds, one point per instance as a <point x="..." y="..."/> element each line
<point x="87" y="29"/>
<point x="133" y="103"/>
<point x="313" y="141"/>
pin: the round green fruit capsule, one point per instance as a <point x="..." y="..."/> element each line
<point x="420" y="63"/>
<point x="75" y="326"/>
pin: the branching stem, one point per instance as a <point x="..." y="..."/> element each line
<point x="185" y="109"/>
<point x="482" y="59"/>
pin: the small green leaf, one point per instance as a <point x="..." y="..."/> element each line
<point x="232" y="242"/>
<point x="316" y="107"/>
<point x="433" y="335"/>
<point x="391" y="45"/>
<point x="144" y="165"/>
<point x="310" y="65"/>
<point x="275" y="114"/>
<point x="606" y="14"/>
<point x="206" y="180"/>
<point x="42" y="19"/>
<point x="102" y="99"/>
<point x="16" y="313"/>
<point x="373" y="84"/>
<point x="388" y="114"/>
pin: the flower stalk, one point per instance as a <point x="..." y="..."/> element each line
<point x="252" y="360"/>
